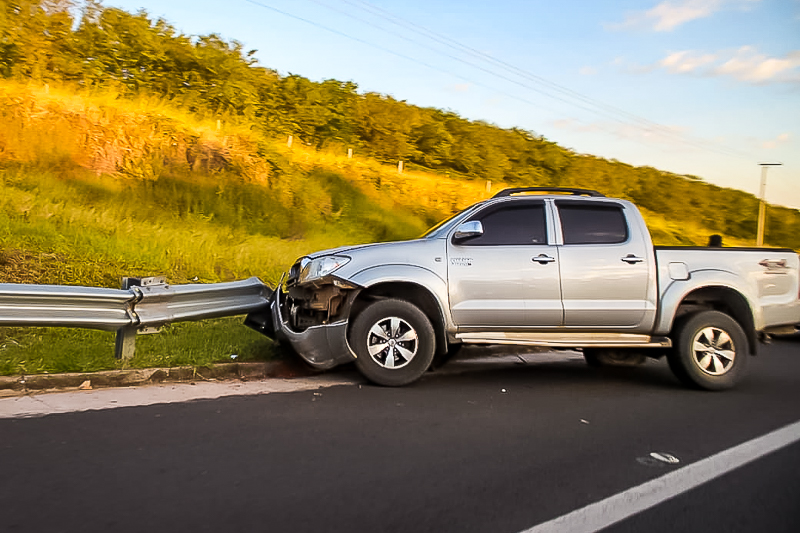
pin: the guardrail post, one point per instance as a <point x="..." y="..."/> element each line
<point x="125" y="341"/>
<point x="125" y="344"/>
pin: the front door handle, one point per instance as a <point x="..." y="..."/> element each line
<point x="631" y="259"/>
<point x="543" y="259"/>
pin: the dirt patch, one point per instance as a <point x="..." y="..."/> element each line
<point x="17" y="385"/>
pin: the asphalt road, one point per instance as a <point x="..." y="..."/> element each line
<point x="497" y="450"/>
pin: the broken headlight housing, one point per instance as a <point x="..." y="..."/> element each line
<point x="320" y="267"/>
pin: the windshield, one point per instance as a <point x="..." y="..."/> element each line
<point x="444" y="226"/>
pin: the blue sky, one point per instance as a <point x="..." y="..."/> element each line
<point x="703" y="87"/>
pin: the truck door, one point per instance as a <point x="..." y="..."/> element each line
<point x="508" y="276"/>
<point x="605" y="267"/>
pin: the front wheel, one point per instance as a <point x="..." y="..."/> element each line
<point x="710" y="351"/>
<point x="394" y="342"/>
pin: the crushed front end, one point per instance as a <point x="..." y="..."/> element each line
<point x="312" y="315"/>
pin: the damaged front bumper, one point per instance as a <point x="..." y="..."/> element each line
<point x="322" y="346"/>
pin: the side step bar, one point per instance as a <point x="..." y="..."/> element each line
<point x="568" y="340"/>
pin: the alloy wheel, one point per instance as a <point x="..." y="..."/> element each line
<point x="714" y="351"/>
<point x="392" y="342"/>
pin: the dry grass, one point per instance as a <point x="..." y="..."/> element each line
<point x="94" y="187"/>
<point x="144" y="138"/>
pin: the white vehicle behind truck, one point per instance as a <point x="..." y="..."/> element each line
<point x="565" y="268"/>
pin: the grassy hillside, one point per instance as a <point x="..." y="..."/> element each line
<point x="131" y="62"/>
<point x="128" y="148"/>
<point x="94" y="187"/>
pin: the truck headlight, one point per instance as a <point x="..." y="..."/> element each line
<point x="321" y="267"/>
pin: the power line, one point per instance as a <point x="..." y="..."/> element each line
<point x="460" y="60"/>
<point x="569" y="93"/>
<point x="428" y="65"/>
<point x="563" y="94"/>
<point x="393" y="52"/>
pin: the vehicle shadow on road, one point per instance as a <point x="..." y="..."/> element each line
<point x="555" y="369"/>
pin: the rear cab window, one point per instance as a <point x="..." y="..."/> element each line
<point x="592" y="222"/>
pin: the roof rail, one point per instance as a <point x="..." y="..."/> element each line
<point x="562" y="190"/>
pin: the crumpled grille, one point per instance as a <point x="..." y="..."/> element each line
<point x="294" y="273"/>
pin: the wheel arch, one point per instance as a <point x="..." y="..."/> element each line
<point x="411" y="292"/>
<point x="719" y="298"/>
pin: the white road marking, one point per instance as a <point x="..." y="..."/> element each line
<point x="41" y="404"/>
<point x="637" y="499"/>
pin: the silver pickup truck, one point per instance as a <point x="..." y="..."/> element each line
<point x="565" y="268"/>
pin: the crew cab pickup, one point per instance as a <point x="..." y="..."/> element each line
<point x="565" y="268"/>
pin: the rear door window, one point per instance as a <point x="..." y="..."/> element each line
<point x="592" y="223"/>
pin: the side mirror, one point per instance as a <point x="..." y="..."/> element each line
<point x="468" y="229"/>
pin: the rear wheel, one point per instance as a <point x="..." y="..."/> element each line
<point x="394" y="342"/>
<point x="710" y="351"/>
<point x="612" y="357"/>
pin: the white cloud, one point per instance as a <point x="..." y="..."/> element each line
<point x="461" y="87"/>
<point x="749" y="65"/>
<point x="783" y="138"/>
<point x="588" y="71"/>
<point x="684" y="62"/>
<point x="668" y="15"/>
<point x="744" y="64"/>
<point x="567" y="124"/>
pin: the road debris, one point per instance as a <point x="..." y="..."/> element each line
<point x="658" y="459"/>
<point x="665" y="457"/>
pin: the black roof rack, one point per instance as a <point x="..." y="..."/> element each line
<point x="561" y="190"/>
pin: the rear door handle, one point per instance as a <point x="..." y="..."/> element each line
<point x="543" y="259"/>
<point x="631" y="259"/>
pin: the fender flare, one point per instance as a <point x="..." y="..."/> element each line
<point x="426" y="279"/>
<point x="677" y="291"/>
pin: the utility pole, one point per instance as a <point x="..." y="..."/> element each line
<point x="762" y="206"/>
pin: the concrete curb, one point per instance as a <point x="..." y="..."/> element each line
<point x="476" y="358"/>
<point x="145" y="376"/>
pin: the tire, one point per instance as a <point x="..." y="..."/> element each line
<point x="710" y="351"/>
<point x="598" y="357"/>
<point x="394" y="342"/>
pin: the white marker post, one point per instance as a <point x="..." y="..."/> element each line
<point x="762" y="206"/>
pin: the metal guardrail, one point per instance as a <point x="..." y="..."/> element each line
<point x="142" y="305"/>
<point x="57" y="305"/>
